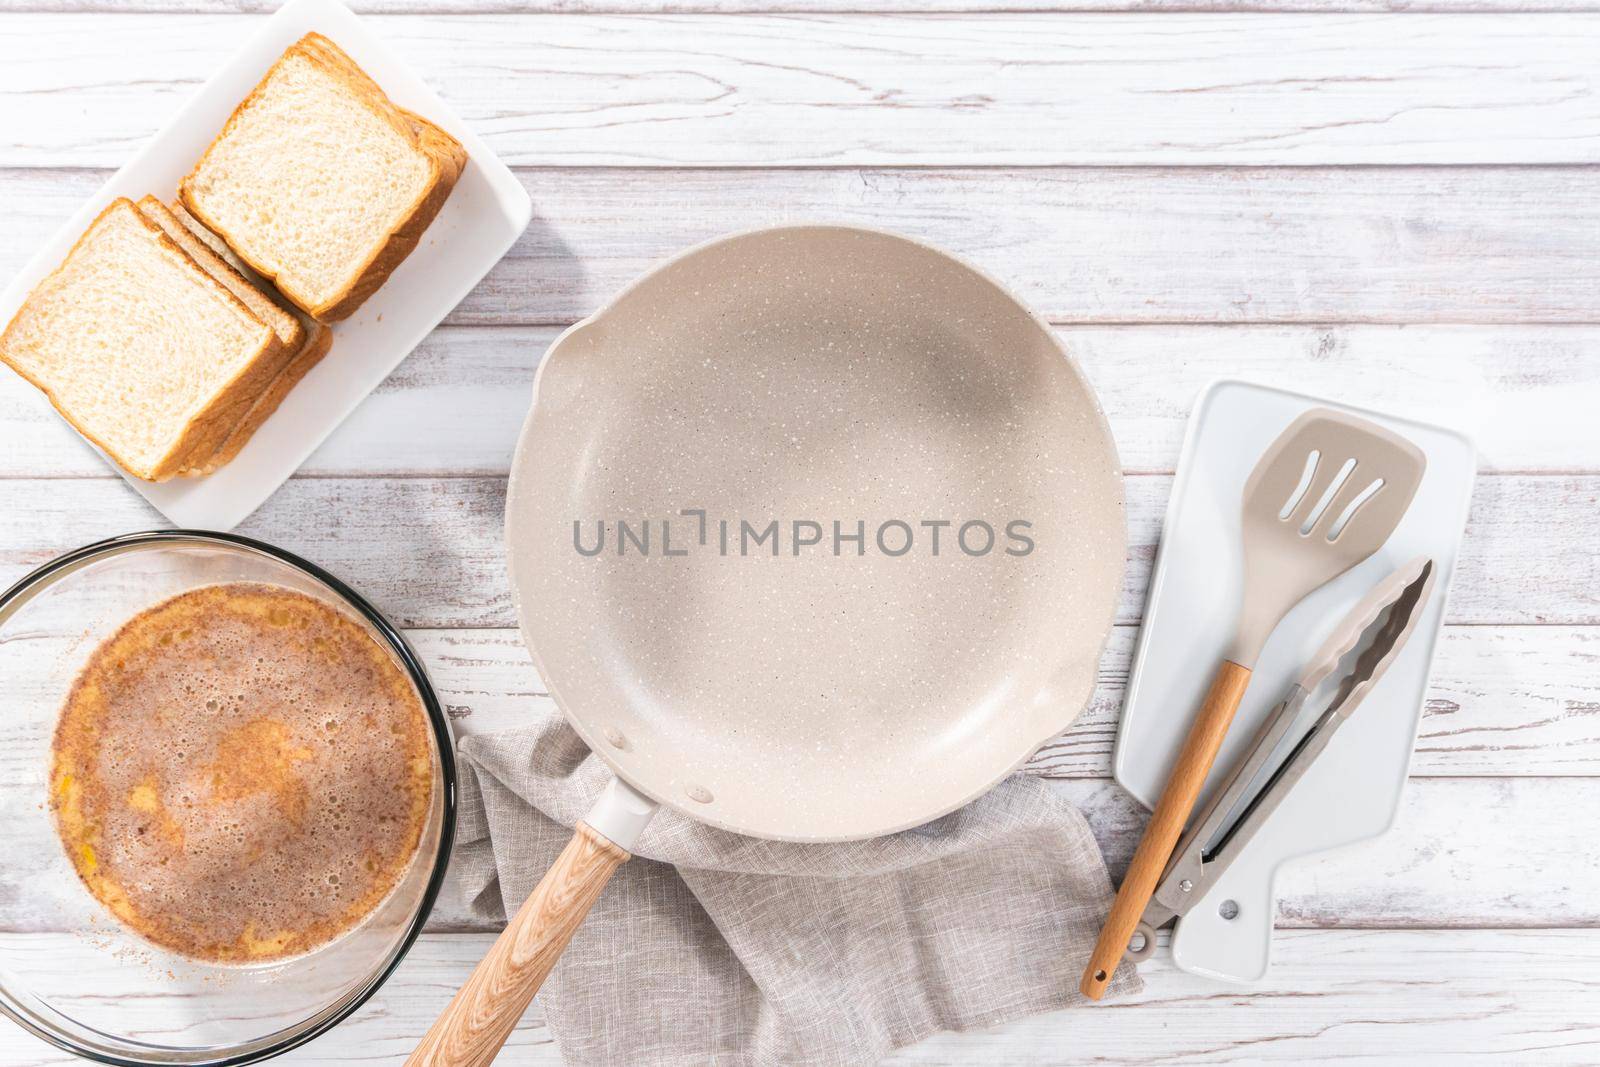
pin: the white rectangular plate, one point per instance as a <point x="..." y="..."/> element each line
<point x="483" y="216"/>
<point x="1352" y="791"/>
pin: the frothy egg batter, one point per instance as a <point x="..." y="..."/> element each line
<point x="241" y="774"/>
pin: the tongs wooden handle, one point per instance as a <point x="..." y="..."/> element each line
<point x="1166" y="824"/>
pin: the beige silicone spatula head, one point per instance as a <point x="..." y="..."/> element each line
<point x="1327" y="493"/>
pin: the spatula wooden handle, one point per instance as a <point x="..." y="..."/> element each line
<point x="1166" y="825"/>
<point x="486" y="1010"/>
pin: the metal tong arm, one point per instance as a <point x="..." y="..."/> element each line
<point x="1397" y="601"/>
<point x="1189" y="864"/>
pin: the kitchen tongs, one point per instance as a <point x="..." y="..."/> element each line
<point x="1375" y="631"/>
<point x="1325" y="495"/>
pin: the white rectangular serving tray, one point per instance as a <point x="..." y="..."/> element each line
<point x="482" y="218"/>
<point x="1352" y="792"/>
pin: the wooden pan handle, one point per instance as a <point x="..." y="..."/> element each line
<point x="486" y="1010"/>
<point x="1166" y="825"/>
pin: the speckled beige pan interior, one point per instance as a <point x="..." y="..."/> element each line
<point x="821" y="373"/>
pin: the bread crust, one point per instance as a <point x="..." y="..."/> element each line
<point x="204" y="431"/>
<point x="220" y="248"/>
<point x="301" y="348"/>
<point x="214" y="434"/>
<point x="318" y="341"/>
<point x="446" y="159"/>
<point x="6" y="340"/>
<point x="232" y="402"/>
<point x="237" y="284"/>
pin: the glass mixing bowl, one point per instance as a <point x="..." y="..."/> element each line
<point x="68" y="971"/>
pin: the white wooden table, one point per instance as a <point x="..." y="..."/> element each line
<point x="1393" y="202"/>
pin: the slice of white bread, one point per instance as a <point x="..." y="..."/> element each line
<point x="313" y="340"/>
<point x="320" y="182"/>
<point x="146" y="354"/>
<point x="289" y="329"/>
<point x="228" y="256"/>
<point x="319" y="339"/>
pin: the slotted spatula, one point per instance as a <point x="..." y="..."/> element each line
<point x="1324" y="497"/>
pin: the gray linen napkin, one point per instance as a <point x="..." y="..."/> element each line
<point x="713" y="948"/>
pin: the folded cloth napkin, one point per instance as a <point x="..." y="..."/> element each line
<point x="709" y="947"/>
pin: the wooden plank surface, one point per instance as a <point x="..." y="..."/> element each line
<point x="1091" y="245"/>
<point x="1464" y="852"/>
<point x="1381" y="996"/>
<point x="1159" y="184"/>
<point x="1511" y="701"/>
<point x="531" y="7"/>
<point x="997" y="89"/>
<point x="1521" y="392"/>
<point x="1502" y="701"/>
<point x="383" y="1031"/>
<point x="1521" y="763"/>
<point x="1489" y="746"/>
<point x="1412" y="998"/>
<point x="1521" y="865"/>
<point x="428" y="550"/>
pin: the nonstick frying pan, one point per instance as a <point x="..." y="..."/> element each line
<point x="815" y="533"/>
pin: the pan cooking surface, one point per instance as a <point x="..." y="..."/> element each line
<point x="815" y="533"/>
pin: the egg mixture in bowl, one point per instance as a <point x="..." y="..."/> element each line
<point x="233" y="795"/>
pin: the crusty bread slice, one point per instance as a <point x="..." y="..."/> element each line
<point x="229" y="256"/>
<point x="140" y="349"/>
<point x="312" y="339"/>
<point x="220" y="248"/>
<point x="319" y="339"/>
<point x="320" y="182"/>
<point x="289" y="329"/>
